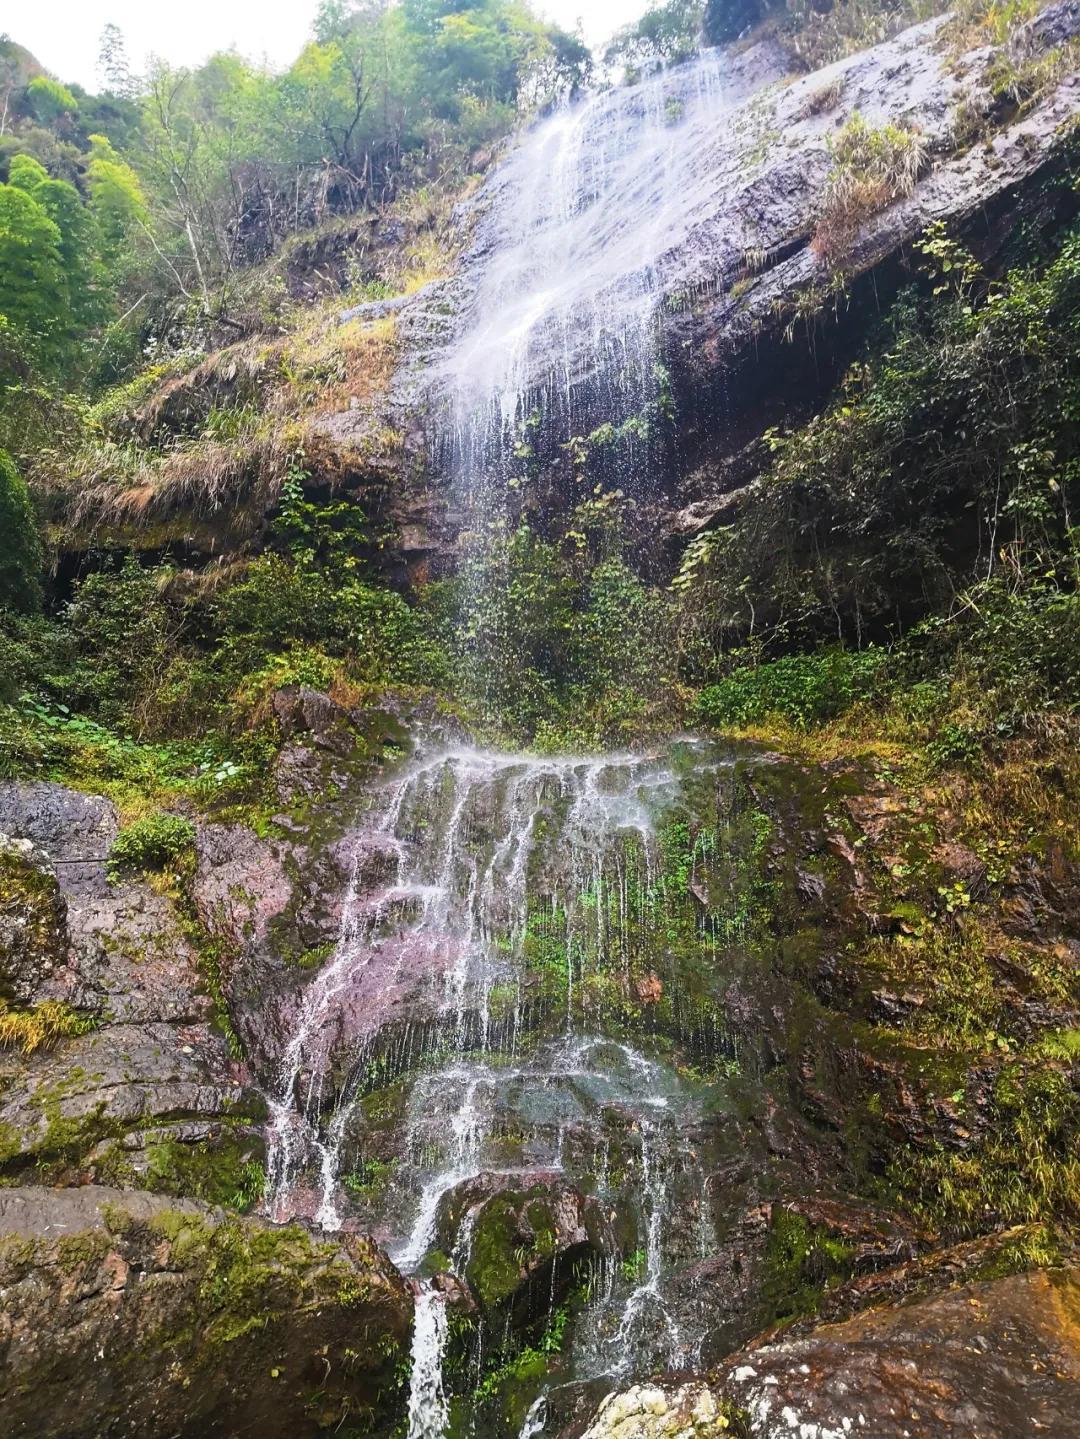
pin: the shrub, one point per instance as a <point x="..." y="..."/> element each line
<point x="807" y="689"/>
<point x="872" y="166"/>
<point x="153" y="843"/>
<point x="120" y="627"/>
<point x="947" y="453"/>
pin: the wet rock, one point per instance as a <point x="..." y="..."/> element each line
<point x="782" y="1260"/>
<point x="33" y="922"/>
<point x="653" y="1411"/>
<point x="125" y="1313"/>
<point x="998" y="1359"/>
<point x="918" y="1275"/>
<point x="523" y="1246"/>
<point x="152" y="1056"/>
<point x="299" y="709"/>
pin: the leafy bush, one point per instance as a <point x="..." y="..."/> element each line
<point x="277" y="605"/>
<point x="948" y="454"/>
<point x="154" y="843"/>
<point x="807" y="689"/>
<point x="122" y="632"/>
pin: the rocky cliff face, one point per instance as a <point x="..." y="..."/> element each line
<point x="998" y="1358"/>
<point x="835" y="1093"/>
<point x="150" y="1079"/>
<point x="654" y="1052"/>
<point x="750" y="313"/>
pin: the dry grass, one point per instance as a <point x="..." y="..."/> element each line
<point x="40" y="1027"/>
<point x="200" y="479"/>
<point x="872" y="167"/>
<point x="216" y="443"/>
<point x="822" y="100"/>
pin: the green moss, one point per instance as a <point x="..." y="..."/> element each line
<point x="226" y="1170"/>
<point x="1024" y="1166"/>
<point x="800" y="1263"/>
<point x="76" y="1250"/>
<point x="502" y="1245"/>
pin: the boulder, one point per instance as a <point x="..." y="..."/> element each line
<point x="522" y="1241"/>
<point x="127" y="1313"/>
<point x="998" y="1359"/>
<point x="33" y="922"/>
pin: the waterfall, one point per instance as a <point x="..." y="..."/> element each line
<point x="428" y="1409"/>
<point x="491" y="941"/>
<point x="579" y="220"/>
<point x="504" y="896"/>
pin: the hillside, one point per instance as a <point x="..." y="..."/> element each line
<point x="539" y="671"/>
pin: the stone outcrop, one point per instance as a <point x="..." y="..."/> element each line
<point x="130" y="1314"/>
<point x="151" y="1080"/>
<point x="999" y="1359"/>
<point x="524" y="1245"/>
<point x="754" y="325"/>
<point x="648" y="1411"/>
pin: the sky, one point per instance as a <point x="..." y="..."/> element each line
<point x="64" y="35"/>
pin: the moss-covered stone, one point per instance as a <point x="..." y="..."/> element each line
<point x="161" y="1315"/>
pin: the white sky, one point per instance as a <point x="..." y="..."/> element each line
<point x="65" y="34"/>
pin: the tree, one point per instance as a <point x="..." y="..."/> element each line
<point x="33" y="286"/>
<point x="116" y="198"/>
<point x="113" y="64"/>
<point x="49" y="101"/>
<point x="20" y="546"/>
<point x="668" y="32"/>
<point x="80" y="239"/>
<point x="725" y="20"/>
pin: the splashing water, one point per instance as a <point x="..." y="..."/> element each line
<point x="428" y="1409"/>
<point x="486" y="878"/>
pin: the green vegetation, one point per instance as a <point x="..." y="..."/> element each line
<point x="807" y="689"/>
<point x="930" y="509"/>
<point x="157" y="841"/>
<point x="41" y="1026"/>
<point x="872" y="166"/>
<point x="563" y="640"/>
<point x="1026" y="1168"/>
<point x="233" y="159"/>
<point x="217" y="1171"/>
<point x="20" y="549"/>
<point x="800" y="1262"/>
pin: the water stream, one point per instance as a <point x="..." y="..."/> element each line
<point x="500" y="969"/>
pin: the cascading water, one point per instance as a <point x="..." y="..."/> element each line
<point x="575" y="233"/>
<point x="510" y="943"/>
<point x="516" y="902"/>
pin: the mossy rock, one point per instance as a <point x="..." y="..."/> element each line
<point x="163" y="1316"/>
<point x="524" y="1246"/>
<point x="33" y="923"/>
